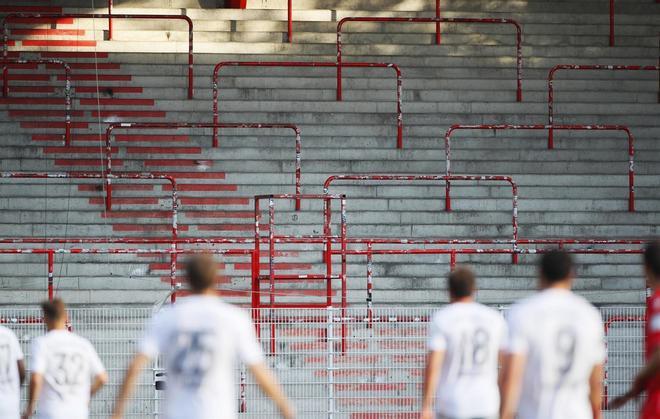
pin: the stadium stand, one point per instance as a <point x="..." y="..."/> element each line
<point x="401" y="232"/>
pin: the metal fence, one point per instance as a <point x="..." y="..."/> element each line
<point x="378" y="376"/>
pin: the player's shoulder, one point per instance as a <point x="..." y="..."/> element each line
<point x="7" y="332"/>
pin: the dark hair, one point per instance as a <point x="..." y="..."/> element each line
<point x="652" y="258"/>
<point x="54" y="310"/>
<point x="461" y="282"/>
<point x="555" y="266"/>
<point x="201" y="272"/>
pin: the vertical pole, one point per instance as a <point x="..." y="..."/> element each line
<point x="327" y="209"/>
<point x="215" y="106"/>
<point x="519" y="64"/>
<point x="175" y="235"/>
<point x="631" y="173"/>
<point x="399" y="109"/>
<point x="611" y="23"/>
<point x="437" y="23"/>
<point x="67" y="105"/>
<point x="190" y="61"/>
<point x="447" y="169"/>
<point x="51" y="263"/>
<point x="289" y="36"/>
<point x="256" y="269"/>
<point x="298" y="167"/>
<point x="243" y="406"/>
<point x="369" y="285"/>
<point x="331" y="368"/>
<point x="108" y="169"/>
<point x="5" y="53"/>
<point x="110" y="20"/>
<point x="344" y="285"/>
<point x="514" y="255"/>
<point x="551" y="134"/>
<point x="271" y="268"/>
<point x="452" y="259"/>
<point x="339" y="75"/>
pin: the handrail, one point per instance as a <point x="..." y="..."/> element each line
<point x="445" y="178"/>
<point x="399" y="83"/>
<point x="631" y="145"/>
<point x="67" y="87"/>
<point x="12" y="16"/>
<point x="437" y="20"/>
<point x="215" y="126"/>
<point x="87" y="175"/>
<point x="326" y="238"/>
<point x="553" y="70"/>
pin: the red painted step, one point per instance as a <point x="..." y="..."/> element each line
<point x="86" y="162"/>
<point x="77" y="150"/>
<point x="40" y="21"/>
<point x="125" y="201"/>
<point x="47" y="32"/>
<point x="40" y="113"/>
<point x="31" y="100"/>
<point x="108" y="89"/>
<point x="26" y="66"/>
<point x="32" y="89"/>
<point x="164" y="150"/>
<point x="57" y="43"/>
<point x="146" y="227"/>
<point x="214" y="201"/>
<point x="28" y="77"/>
<point x="149" y="138"/>
<point x="202" y="187"/>
<point x="30" y="9"/>
<point x="114" y="101"/>
<point x="219" y="214"/>
<point x="73" y="54"/>
<point x="52" y="124"/>
<point x="129" y="114"/>
<point x="74" y="138"/>
<point x="115" y="187"/>
<point x="88" y="66"/>
<point x="10" y="42"/>
<point x="137" y="214"/>
<point x="92" y="77"/>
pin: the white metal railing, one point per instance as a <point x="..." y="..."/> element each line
<point x="380" y="372"/>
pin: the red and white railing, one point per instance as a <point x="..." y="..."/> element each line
<point x="314" y="64"/>
<point x="625" y="129"/>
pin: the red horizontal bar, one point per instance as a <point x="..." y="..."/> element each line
<point x="32" y="89"/>
<point x="203" y="187"/>
<point x="72" y="150"/>
<point x="104" y="89"/>
<point x="92" y="66"/>
<point x="38" y="113"/>
<point x="163" y="150"/>
<point x="83" y="162"/>
<point x="52" y="124"/>
<point x="226" y="227"/>
<point x="214" y="201"/>
<point x="73" y="54"/>
<point x="125" y="201"/>
<point x="116" y="101"/>
<point x="219" y="214"/>
<point x="57" y="43"/>
<point x="146" y="227"/>
<point x="172" y="162"/>
<point x="30" y="100"/>
<point x="129" y="114"/>
<point x="116" y="187"/>
<point x="48" y="32"/>
<point x="94" y="77"/>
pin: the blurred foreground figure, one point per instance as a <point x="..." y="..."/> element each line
<point x="554" y="365"/>
<point x="12" y="374"/>
<point x="464" y="343"/>
<point x="648" y="379"/>
<point x="66" y="370"/>
<point x="200" y="339"/>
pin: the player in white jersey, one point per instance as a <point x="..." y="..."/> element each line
<point x="200" y="338"/>
<point x="12" y="374"/>
<point x="66" y="371"/>
<point x="554" y="366"/>
<point x="465" y="343"/>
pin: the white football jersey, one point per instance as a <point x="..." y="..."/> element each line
<point x="200" y="339"/>
<point x="471" y="336"/>
<point x="68" y="364"/>
<point x="10" y="385"/>
<point x="561" y="335"/>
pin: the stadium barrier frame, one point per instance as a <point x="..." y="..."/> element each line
<point x="497" y="127"/>
<point x="436" y="20"/>
<point x="314" y="64"/>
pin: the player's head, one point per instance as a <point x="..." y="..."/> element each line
<point x="652" y="264"/>
<point x="461" y="283"/>
<point x="54" y="314"/>
<point x="201" y="271"/>
<point x="556" y="268"/>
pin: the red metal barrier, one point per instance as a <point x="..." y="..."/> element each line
<point x="631" y="145"/>
<point x="14" y="16"/>
<point x="85" y="175"/>
<point x="326" y="238"/>
<point x="196" y="125"/>
<point x="446" y="179"/>
<point x="110" y="20"/>
<point x="553" y="70"/>
<point x="399" y="83"/>
<point x="6" y="63"/>
<point x="437" y="21"/>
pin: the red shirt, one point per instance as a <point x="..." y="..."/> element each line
<point x="652" y="406"/>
